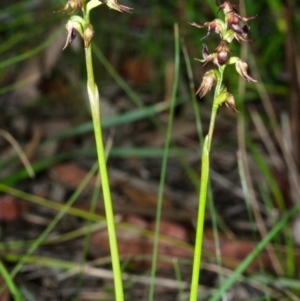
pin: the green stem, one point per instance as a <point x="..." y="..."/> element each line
<point x="9" y="282"/>
<point x="95" y="109"/>
<point x="203" y="190"/>
<point x="200" y="222"/>
<point x="164" y="166"/>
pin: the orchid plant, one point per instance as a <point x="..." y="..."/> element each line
<point x="80" y="24"/>
<point x="228" y="30"/>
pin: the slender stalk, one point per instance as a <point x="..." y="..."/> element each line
<point x="203" y="190"/>
<point x="95" y="109"/>
<point x="200" y="221"/>
<point x="164" y="166"/>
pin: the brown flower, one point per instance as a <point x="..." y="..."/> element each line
<point x="208" y="80"/>
<point x="218" y="57"/>
<point x="114" y="5"/>
<point x="72" y="28"/>
<point x="231" y="34"/>
<point x="227" y="98"/>
<point x="242" y="68"/>
<point x="74" y="4"/>
<point x="206" y="56"/>
<point x="230" y="103"/>
<point x="217" y="25"/>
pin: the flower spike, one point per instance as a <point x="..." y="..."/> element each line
<point x="230" y="29"/>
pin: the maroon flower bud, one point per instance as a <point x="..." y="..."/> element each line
<point x="114" y="5"/>
<point x="222" y="52"/>
<point x="208" y="81"/>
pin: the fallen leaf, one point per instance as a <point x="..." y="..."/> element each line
<point x="11" y="208"/>
<point x="141" y="196"/>
<point x="71" y="175"/>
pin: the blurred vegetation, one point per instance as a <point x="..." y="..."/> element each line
<point x="148" y="33"/>
<point x="132" y="52"/>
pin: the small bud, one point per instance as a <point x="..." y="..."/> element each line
<point x="241" y="68"/>
<point x="230" y="103"/>
<point x="208" y="81"/>
<point x="88" y="35"/>
<point x="227" y="98"/>
<point x="114" y="5"/>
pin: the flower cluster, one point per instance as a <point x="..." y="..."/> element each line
<point x="76" y="24"/>
<point x="229" y="30"/>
